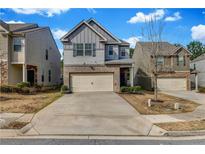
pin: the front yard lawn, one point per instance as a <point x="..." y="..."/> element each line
<point x="183" y="126"/>
<point x="18" y="103"/>
<point x="139" y="102"/>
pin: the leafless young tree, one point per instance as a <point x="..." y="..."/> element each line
<point x="152" y="31"/>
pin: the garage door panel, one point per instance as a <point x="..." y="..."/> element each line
<point x="171" y="83"/>
<point x="92" y="82"/>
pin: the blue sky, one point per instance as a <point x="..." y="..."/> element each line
<point x="181" y="25"/>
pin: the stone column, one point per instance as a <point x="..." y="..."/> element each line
<point x="196" y="82"/>
<point x="131" y="76"/>
<point x="24" y="73"/>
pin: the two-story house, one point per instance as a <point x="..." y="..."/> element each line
<point x="95" y="60"/>
<point x="198" y="73"/>
<point x="28" y="53"/>
<point x="172" y="65"/>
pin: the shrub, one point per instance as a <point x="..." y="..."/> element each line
<point x="25" y="90"/>
<point x="9" y="89"/>
<point x="23" y="84"/>
<point x="65" y="89"/>
<point x="124" y="89"/>
<point x="132" y="90"/>
<point x="202" y="89"/>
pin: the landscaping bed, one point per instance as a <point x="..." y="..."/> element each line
<point x="15" y="125"/>
<point x="165" y="106"/>
<point x="21" y="103"/>
<point x="183" y="126"/>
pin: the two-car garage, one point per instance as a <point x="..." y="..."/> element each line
<point x="87" y="82"/>
<point x="172" y="83"/>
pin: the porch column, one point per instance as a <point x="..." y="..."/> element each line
<point x="24" y="73"/>
<point x="196" y="82"/>
<point x="131" y="76"/>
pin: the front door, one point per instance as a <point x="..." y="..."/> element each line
<point x="30" y="77"/>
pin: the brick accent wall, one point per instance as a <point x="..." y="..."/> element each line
<point x="115" y="69"/>
<point x="3" y="72"/>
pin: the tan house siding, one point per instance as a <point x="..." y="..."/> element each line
<point x="36" y="45"/>
<point x="115" y="69"/>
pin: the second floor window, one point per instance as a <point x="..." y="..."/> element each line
<point x="88" y="49"/>
<point x="181" y="60"/>
<point x="123" y="51"/>
<point x="110" y="50"/>
<point x="17" y="45"/>
<point x="46" y="56"/>
<point x="79" y="49"/>
<point x="160" y="60"/>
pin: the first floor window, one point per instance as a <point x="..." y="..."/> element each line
<point x="110" y="50"/>
<point x="88" y="49"/>
<point x="42" y="78"/>
<point x="49" y="76"/>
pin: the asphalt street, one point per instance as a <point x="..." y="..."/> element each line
<point x="98" y="142"/>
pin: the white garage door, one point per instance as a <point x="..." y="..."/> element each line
<point x="171" y="83"/>
<point x="92" y="82"/>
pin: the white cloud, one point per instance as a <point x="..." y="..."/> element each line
<point x="91" y="10"/>
<point x="141" y="17"/>
<point x="132" y="40"/>
<point x="58" y="33"/>
<point x="175" y="17"/>
<point x="43" y="12"/>
<point x="198" y="33"/>
<point x="14" y="22"/>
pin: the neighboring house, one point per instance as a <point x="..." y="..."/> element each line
<point x="198" y="65"/>
<point x="94" y="59"/>
<point x="172" y="66"/>
<point x="28" y="53"/>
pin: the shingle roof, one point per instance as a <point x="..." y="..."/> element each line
<point x="202" y="57"/>
<point x="165" y="48"/>
<point x="20" y="28"/>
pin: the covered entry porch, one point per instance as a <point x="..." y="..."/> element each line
<point x="23" y="73"/>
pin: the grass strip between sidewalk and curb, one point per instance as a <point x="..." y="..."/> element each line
<point x="183" y="126"/>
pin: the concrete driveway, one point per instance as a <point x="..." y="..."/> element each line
<point x="99" y="113"/>
<point x="189" y="95"/>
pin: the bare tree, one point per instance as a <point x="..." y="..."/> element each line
<point x="153" y="33"/>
